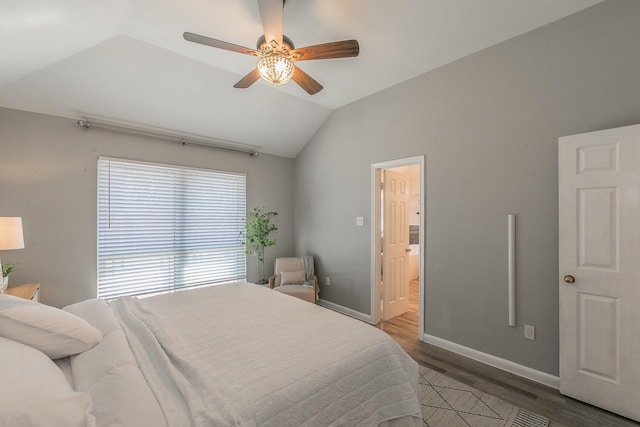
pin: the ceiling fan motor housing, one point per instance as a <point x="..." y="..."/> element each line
<point x="287" y="43"/>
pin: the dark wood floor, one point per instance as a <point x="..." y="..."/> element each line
<point x="519" y="391"/>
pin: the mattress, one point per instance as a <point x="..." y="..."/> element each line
<point x="241" y="354"/>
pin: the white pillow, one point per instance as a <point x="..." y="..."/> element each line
<point x="51" y="330"/>
<point x="292" y="277"/>
<point x="34" y="392"/>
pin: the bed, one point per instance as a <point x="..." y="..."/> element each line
<point x="235" y="354"/>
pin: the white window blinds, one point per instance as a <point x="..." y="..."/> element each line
<point x="162" y="228"/>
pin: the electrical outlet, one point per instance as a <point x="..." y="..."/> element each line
<point x="327" y="281"/>
<point x="530" y="332"/>
<point x="360" y="221"/>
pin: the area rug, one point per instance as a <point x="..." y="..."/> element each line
<point x="447" y="402"/>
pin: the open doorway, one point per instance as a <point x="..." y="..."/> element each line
<point x="398" y="254"/>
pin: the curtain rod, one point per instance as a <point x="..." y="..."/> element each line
<point x="200" y="142"/>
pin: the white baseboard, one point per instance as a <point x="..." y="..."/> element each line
<point x="346" y="311"/>
<point x="487" y="359"/>
<point x="495" y="361"/>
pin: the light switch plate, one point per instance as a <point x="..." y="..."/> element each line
<point x="360" y="221"/>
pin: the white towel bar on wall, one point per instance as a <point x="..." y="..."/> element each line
<point x="511" y="257"/>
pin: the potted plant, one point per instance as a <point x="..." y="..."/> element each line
<point x="7" y="269"/>
<point x="256" y="237"/>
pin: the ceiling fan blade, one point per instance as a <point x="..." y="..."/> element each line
<point x="271" y="14"/>
<point x="195" y="38"/>
<point x="248" y="80"/>
<point x="305" y="81"/>
<point x="341" y="49"/>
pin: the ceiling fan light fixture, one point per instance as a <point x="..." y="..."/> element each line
<point x="277" y="52"/>
<point x="275" y="68"/>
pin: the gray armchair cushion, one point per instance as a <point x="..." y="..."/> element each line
<point x="286" y="264"/>
<point x="292" y="277"/>
<point x="295" y="281"/>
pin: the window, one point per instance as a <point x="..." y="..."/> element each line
<point x="163" y="228"/>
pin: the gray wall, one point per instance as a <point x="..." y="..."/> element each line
<point x="488" y="125"/>
<point x="48" y="177"/>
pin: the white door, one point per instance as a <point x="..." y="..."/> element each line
<point x="396" y="244"/>
<point x="599" y="219"/>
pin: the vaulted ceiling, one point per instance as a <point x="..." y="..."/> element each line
<point x="126" y="61"/>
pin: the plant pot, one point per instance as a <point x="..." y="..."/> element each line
<point x="260" y="279"/>
<point x="3" y="284"/>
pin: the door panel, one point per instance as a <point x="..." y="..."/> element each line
<point x="599" y="245"/>
<point x="597" y="221"/>
<point x="598" y="340"/>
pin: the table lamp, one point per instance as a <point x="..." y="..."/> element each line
<point x="11" y="237"/>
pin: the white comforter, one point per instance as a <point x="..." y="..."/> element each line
<point x="244" y="355"/>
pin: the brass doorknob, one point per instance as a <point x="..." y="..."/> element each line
<point x="569" y="279"/>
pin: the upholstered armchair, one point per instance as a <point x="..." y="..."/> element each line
<point x="295" y="277"/>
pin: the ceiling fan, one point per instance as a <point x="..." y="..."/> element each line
<point x="277" y="52"/>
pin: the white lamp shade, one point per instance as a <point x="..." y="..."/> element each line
<point x="11" y="233"/>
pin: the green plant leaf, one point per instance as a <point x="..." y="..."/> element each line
<point x="257" y="230"/>
<point x="7" y="269"/>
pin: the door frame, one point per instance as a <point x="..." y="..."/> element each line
<point x="376" y="169"/>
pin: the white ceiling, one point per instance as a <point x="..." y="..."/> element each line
<point x="126" y="60"/>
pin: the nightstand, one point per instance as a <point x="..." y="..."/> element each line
<point x="30" y="291"/>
